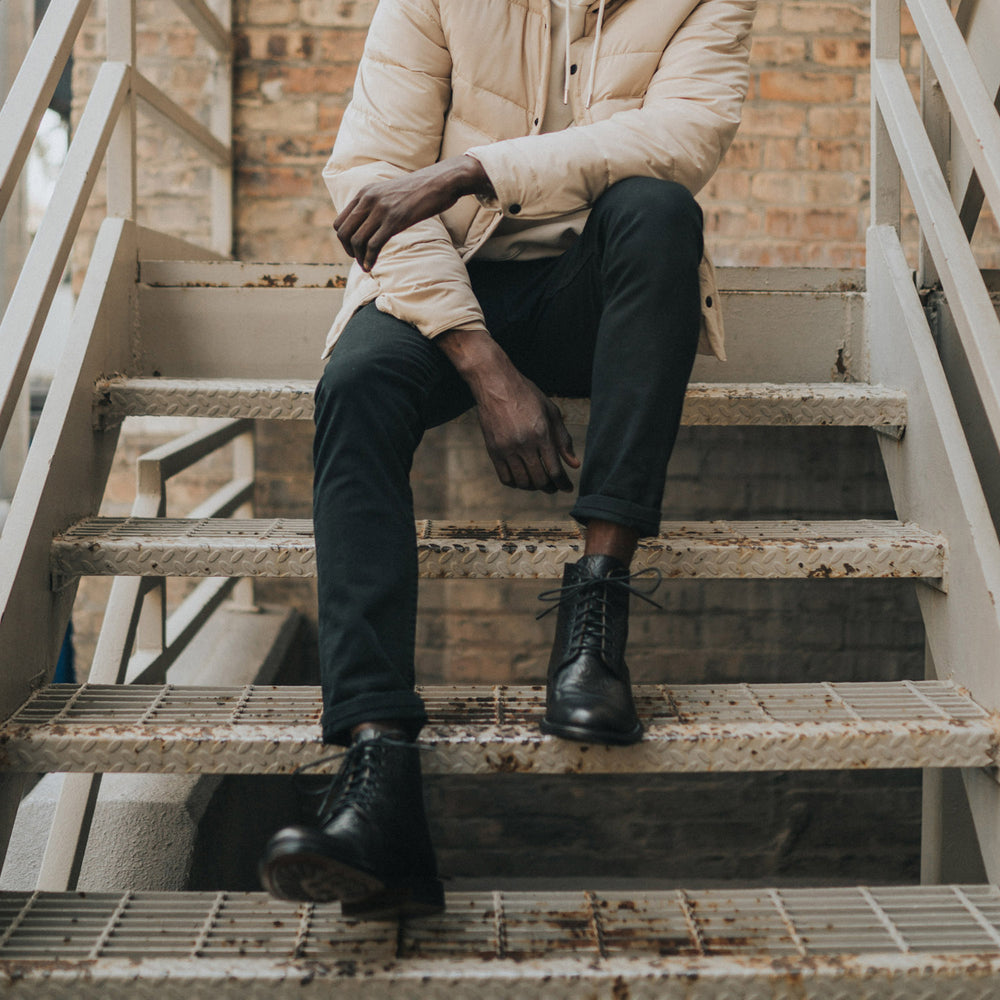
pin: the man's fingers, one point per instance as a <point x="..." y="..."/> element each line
<point x="521" y="473"/>
<point x="556" y="474"/>
<point x="361" y="240"/>
<point x="564" y="441"/>
<point x="502" y="470"/>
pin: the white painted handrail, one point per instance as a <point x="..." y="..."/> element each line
<point x="180" y="122"/>
<point x="972" y="108"/>
<point x="43" y="269"/>
<point x="33" y="88"/>
<point x="209" y="26"/>
<point x="967" y="295"/>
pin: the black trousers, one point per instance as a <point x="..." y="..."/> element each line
<point x="616" y="318"/>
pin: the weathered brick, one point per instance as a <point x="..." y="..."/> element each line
<point x="813" y="17"/>
<point x="844" y="53"/>
<point x="343" y="13"/>
<point x="777" y="50"/>
<point x="796" y="85"/>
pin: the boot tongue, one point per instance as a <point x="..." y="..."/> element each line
<point x="601" y="566"/>
<point x="376" y="732"/>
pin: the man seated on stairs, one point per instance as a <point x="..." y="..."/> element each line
<point x="515" y="183"/>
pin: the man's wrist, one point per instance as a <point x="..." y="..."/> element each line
<point x="480" y="184"/>
<point x="473" y="352"/>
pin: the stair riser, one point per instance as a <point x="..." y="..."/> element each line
<point x="222" y="322"/>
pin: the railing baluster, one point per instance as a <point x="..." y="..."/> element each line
<point x="886" y="182"/>
<point x="937" y="122"/>
<point x="222" y="128"/>
<point x="122" y="159"/>
<point x="33" y="89"/>
<point x="43" y="269"/>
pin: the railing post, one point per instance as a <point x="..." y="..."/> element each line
<point x="221" y="124"/>
<point x="245" y="467"/>
<point x="122" y="149"/>
<point x="937" y="121"/>
<point x="886" y="182"/>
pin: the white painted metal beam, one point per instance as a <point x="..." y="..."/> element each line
<point x="933" y="478"/>
<point x="43" y="269"/>
<point x="33" y="89"/>
<point x="973" y="109"/>
<point x="181" y="123"/>
<point x="973" y="311"/>
<point x="209" y="26"/>
<point x="979" y="23"/>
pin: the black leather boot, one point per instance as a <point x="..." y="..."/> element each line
<point x="589" y="693"/>
<point x="372" y="849"/>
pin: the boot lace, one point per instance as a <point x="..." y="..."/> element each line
<point x="354" y="784"/>
<point x="590" y="603"/>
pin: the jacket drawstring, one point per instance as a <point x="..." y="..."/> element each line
<point x="593" y="60"/>
<point x="566" y="73"/>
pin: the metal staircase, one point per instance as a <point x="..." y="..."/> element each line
<point x="161" y="329"/>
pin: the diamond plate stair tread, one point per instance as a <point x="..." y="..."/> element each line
<point x="878" y="943"/>
<point x="708" y="404"/>
<point x="708" y="550"/>
<point x="689" y="728"/>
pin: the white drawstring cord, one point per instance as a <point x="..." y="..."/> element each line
<point x="593" y="61"/>
<point x="566" y="84"/>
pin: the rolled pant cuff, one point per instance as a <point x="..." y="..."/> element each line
<point x="645" y="520"/>
<point x="405" y="707"/>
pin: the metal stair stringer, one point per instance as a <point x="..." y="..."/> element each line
<point x="933" y="478"/>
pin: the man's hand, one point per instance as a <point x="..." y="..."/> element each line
<point x="380" y="211"/>
<point x="524" y="431"/>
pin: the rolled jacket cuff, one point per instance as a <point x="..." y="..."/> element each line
<point x="645" y="520"/>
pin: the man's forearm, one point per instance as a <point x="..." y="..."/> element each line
<point x="474" y="353"/>
<point x="381" y="210"/>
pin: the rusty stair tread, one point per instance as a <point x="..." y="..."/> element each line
<point x="133" y="546"/>
<point x="855" y="942"/>
<point x="689" y="728"/>
<point x="708" y="403"/>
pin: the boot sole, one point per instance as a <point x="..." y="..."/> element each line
<point x="580" y="734"/>
<point x="299" y="869"/>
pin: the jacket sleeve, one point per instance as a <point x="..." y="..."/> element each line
<point x="681" y="131"/>
<point x="393" y="126"/>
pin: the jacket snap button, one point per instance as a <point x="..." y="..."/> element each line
<point x="514" y="209"/>
<point x="536" y="121"/>
<point x="572" y="69"/>
<point x="708" y="301"/>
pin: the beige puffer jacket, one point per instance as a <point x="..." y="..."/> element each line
<point x="441" y="78"/>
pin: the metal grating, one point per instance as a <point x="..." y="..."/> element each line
<point x="941" y="941"/>
<point x="790" y="922"/>
<point x="708" y="404"/>
<point x="132" y="546"/>
<point x="689" y="728"/>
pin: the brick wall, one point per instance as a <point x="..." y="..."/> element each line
<point x="792" y="191"/>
